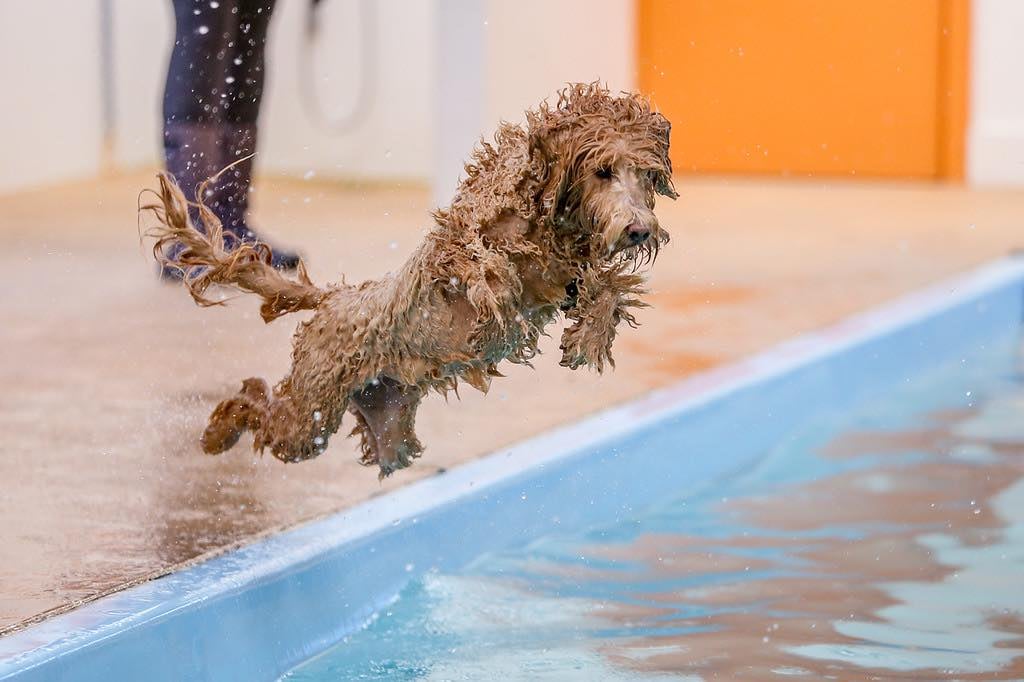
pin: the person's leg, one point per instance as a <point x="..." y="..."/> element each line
<point x="246" y="68"/>
<point x="194" y="94"/>
<point x="244" y="80"/>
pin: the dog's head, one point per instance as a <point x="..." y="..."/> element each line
<point x="601" y="160"/>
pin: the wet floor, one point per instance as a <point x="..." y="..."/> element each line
<point x="884" y="542"/>
<point x="108" y="376"/>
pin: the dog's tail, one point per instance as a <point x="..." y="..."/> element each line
<point x="204" y="259"/>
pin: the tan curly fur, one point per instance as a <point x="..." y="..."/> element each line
<point x="554" y="216"/>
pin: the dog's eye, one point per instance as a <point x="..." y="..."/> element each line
<point x="604" y="173"/>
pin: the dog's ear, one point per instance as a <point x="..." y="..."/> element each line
<point x="551" y="164"/>
<point x="556" y="197"/>
<point x="664" y="186"/>
<point x="661" y="129"/>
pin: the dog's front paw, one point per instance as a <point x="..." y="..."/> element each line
<point x="579" y="348"/>
<point x="572" y="357"/>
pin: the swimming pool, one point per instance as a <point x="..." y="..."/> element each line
<point x="847" y="503"/>
<point x="882" y="538"/>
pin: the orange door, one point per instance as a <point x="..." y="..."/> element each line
<point x="805" y="87"/>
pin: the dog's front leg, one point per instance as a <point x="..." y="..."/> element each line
<point x="602" y="302"/>
<point x="588" y="341"/>
<point x="386" y="411"/>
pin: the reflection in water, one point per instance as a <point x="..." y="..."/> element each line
<point x="893" y="550"/>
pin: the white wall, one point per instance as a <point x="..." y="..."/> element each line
<point x="393" y="139"/>
<point x="422" y="119"/>
<point x="534" y="47"/>
<point x="471" y="62"/>
<point x="143" y="31"/>
<point x="460" y="84"/>
<point x="524" y="51"/>
<point x="523" y="54"/>
<point x="49" y="77"/>
<point x="995" y="141"/>
<point x="530" y="49"/>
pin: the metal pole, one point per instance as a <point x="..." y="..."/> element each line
<point x="108" y="104"/>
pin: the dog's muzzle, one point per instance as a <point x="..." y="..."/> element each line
<point x="637" y="233"/>
<point x="632" y="235"/>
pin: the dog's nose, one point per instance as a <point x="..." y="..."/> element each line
<point x="637" y="233"/>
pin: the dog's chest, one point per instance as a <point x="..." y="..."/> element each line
<point x="543" y="282"/>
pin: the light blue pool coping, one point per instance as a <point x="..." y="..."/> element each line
<point x="256" y="612"/>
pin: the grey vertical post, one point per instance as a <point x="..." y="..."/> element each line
<point x="460" y="92"/>
<point x="108" y="105"/>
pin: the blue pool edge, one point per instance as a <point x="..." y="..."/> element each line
<point x="293" y="594"/>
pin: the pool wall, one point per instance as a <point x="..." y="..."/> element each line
<point x="256" y="612"/>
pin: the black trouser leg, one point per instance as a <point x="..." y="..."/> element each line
<point x="246" y="73"/>
<point x="195" y="94"/>
<point x="246" y="70"/>
<point x="211" y="104"/>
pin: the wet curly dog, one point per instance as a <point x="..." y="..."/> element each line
<point x="553" y="217"/>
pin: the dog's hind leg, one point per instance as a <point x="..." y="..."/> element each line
<point x="367" y="441"/>
<point x="245" y="410"/>
<point x="385" y="420"/>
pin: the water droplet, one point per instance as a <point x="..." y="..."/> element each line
<point x="202" y="30"/>
<point x="393" y="245"/>
<point x="318" y="440"/>
<point x="229" y="79"/>
<point x="317" y="416"/>
<point x="309" y="175"/>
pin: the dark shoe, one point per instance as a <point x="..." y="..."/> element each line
<point x="231" y="196"/>
<point x="282" y="259"/>
<point x="168" y="272"/>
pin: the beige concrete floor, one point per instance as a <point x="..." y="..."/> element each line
<point x="109" y="375"/>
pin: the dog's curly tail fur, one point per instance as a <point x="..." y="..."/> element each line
<point x="204" y="259"/>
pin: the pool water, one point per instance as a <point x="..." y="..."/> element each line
<point x="886" y="541"/>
